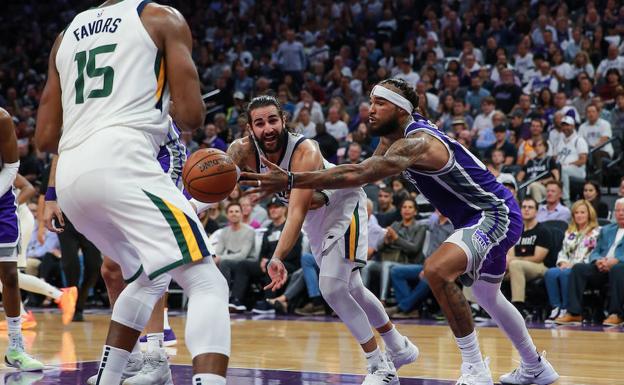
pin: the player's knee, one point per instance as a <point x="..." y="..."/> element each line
<point x="332" y="289"/>
<point x="436" y="273"/>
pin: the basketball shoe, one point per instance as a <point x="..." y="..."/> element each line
<point x="543" y="374"/>
<point x="67" y="303"/>
<point x="382" y="374"/>
<point x="28" y="322"/>
<point x="19" y="359"/>
<point x="133" y="367"/>
<point x="155" y="371"/>
<point x="475" y="374"/>
<point x="407" y="355"/>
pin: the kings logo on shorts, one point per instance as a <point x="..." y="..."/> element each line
<point x="480" y="241"/>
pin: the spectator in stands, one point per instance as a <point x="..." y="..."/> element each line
<point x="606" y="265"/>
<point x="387" y="213"/>
<point x="43" y="259"/>
<point x="526" y="147"/>
<point x="305" y="126"/>
<point x="525" y="261"/>
<point x="609" y="89"/>
<point x="291" y="57"/>
<point x="258" y="213"/>
<point x="252" y="270"/>
<point x="562" y="106"/>
<point x="234" y="243"/>
<point x="406" y="73"/>
<point x="403" y="243"/>
<point x="327" y="143"/>
<point x="596" y="131"/>
<point x="613" y="60"/>
<point x="214" y="219"/>
<point x="307" y="101"/>
<point x="507" y="92"/>
<point x="408" y="281"/>
<point x="553" y="209"/>
<point x="617" y="115"/>
<point x="584" y="99"/>
<point x="399" y="192"/>
<point x="578" y="242"/>
<point x="571" y="153"/>
<point x="502" y="144"/>
<point x="592" y="194"/>
<point x="211" y="140"/>
<point x="537" y="165"/>
<point x="483" y="128"/>
<point x="246" y="209"/>
<point x="354" y="153"/>
<point x="336" y="127"/>
<point x="475" y="93"/>
<point x="543" y="79"/>
<point x="458" y="114"/>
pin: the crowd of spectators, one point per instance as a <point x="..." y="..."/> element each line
<point x="533" y="89"/>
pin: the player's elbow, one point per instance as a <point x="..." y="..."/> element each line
<point x="192" y="117"/>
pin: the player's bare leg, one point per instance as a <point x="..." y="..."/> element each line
<point x="442" y="268"/>
<point x="11" y="300"/>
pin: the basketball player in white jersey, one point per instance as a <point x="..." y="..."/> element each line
<point x="337" y="234"/>
<point x="105" y="110"/>
<point x="9" y="238"/>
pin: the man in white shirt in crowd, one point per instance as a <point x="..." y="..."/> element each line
<point x="613" y="60"/>
<point x="553" y="209"/>
<point x="571" y="153"/>
<point x="336" y="127"/>
<point x="407" y="74"/>
<point x="596" y="131"/>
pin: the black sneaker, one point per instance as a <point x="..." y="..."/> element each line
<point x="78" y="317"/>
<point x="263" y="307"/>
<point x="236" y="306"/>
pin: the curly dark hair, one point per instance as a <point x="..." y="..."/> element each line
<point x="406" y="90"/>
<point x="264" y="101"/>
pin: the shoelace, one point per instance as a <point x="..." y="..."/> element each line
<point x="151" y="362"/>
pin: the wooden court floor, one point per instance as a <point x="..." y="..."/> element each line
<point x="323" y="345"/>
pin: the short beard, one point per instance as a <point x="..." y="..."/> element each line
<point x="281" y="141"/>
<point x="387" y="128"/>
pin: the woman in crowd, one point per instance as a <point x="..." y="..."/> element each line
<point x="580" y="240"/>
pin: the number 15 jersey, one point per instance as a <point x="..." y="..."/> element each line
<point x="112" y="75"/>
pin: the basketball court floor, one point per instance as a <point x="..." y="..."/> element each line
<point x="272" y="350"/>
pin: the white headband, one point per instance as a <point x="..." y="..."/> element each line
<point x="393" y="98"/>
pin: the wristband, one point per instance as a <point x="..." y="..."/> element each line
<point x="291" y="181"/>
<point x="50" y="194"/>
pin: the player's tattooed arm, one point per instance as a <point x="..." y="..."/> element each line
<point x="239" y="151"/>
<point x="382" y="147"/>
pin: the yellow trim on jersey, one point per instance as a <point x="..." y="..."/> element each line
<point x="161" y="79"/>
<point x="352" y="238"/>
<point x="187" y="232"/>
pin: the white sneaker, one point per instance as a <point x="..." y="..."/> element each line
<point x="545" y="374"/>
<point x="155" y="371"/>
<point x="556" y="312"/>
<point x="476" y="374"/>
<point x="383" y="374"/>
<point x="407" y="355"/>
<point x="133" y="367"/>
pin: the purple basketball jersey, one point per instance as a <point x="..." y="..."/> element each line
<point x="9" y="228"/>
<point x="172" y="156"/>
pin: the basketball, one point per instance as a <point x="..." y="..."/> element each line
<point x="209" y="175"/>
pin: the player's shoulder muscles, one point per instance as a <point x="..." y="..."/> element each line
<point x="424" y="149"/>
<point x="307" y="157"/>
<point x="163" y="21"/>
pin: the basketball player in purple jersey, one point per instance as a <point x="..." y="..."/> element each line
<point x="9" y="238"/>
<point x="484" y="212"/>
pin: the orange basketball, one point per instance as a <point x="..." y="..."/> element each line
<point x="209" y="175"/>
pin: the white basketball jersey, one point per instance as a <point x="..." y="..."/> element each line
<point x="112" y="75"/>
<point x="327" y="224"/>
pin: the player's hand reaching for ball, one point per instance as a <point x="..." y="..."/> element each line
<point x="278" y="274"/>
<point x="275" y="180"/>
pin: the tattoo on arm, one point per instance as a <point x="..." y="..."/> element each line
<point x="237" y="153"/>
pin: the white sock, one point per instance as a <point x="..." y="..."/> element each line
<point x="469" y="347"/>
<point x="207" y="379"/>
<point x="166" y="320"/>
<point x="373" y="359"/>
<point x="155" y="341"/>
<point x="136" y="349"/>
<point x="112" y="365"/>
<point x="14" y="326"/>
<point x="39" y="286"/>
<point x="393" y="339"/>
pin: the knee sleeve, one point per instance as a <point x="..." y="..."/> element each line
<point x="336" y="293"/>
<point x="208" y="318"/>
<point x="135" y="303"/>
<point x="371" y="305"/>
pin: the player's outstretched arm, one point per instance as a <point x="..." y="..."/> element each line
<point x="50" y="112"/>
<point x="401" y="155"/>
